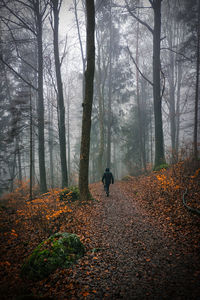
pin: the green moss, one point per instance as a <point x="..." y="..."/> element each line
<point x="127" y="178"/>
<point x="160" y="167"/>
<point x="60" y="250"/>
<point x="70" y="194"/>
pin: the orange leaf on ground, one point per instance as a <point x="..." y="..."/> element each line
<point x="85" y="294"/>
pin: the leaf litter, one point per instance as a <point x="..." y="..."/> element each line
<point x="141" y="241"/>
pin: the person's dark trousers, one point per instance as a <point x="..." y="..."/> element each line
<point x="107" y="189"/>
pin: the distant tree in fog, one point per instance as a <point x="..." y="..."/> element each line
<point x="56" y="5"/>
<point x="87" y="104"/>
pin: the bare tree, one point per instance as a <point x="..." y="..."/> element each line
<point x="32" y="21"/>
<point x="157" y="99"/>
<point x="197" y="87"/>
<point x="56" y="4"/>
<point x="81" y="45"/>
<point x="87" y="105"/>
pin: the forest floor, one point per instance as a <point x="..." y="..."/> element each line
<point x="141" y="242"/>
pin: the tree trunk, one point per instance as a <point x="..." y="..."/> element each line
<point x="40" y="107"/>
<point x="31" y="148"/>
<point x="171" y="31"/>
<point x="87" y="105"/>
<point x="159" y="142"/>
<point x="19" y="160"/>
<point x="197" y="88"/>
<point x="13" y="167"/>
<point x="109" y="98"/>
<point x="172" y="113"/>
<point x="179" y="79"/>
<point x="68" y="139"/>
<point x="50" y="141"/>
<point x="101" y="121"/>
<point x="60" y="99"/>
<point x="81" y="48"/>
<point x="140" y="125"/>
<point x="101" y="143"/>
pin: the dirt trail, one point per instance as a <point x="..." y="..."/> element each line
<point x="136" y="260"/>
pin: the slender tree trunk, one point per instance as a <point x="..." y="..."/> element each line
<point x="31" y="147"/>
<point x="13" y="167"/>
<point x="172" y="112"/>
<point x="101" y="123"/>
<point x="87" y="105"/>
<point x="159" y="141"/>
<point x="19" y="161"/>
<point x="109" y="127"/>
<point x="171" y="71"/>
<point x="68" y="139"/>
<point x="40" y="107"/>
<point x="179" y="78"/>
<point x="61" y="107"/>
<point x="81" y="48"/>
<point x="50" y="141"/>
<point x="109" y="98"/>
<point x="101" y="144"/>
<point x="151" y="142"/>
<point x="34" y="109"/>
<point x="115" y="160"/>
<point x="197" y="88"/>
<point x="140" y="125"/>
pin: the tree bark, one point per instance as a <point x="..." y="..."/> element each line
<point x="109" y="97"/>
<point x="140" y="125"/>
<point x="19" y="160"/>
<point x="40" y="107"/>
<point x="31" y="147"/>
<point x="50" y="140"/>
<point x="68" y="139"/>
<point x="159" y="141"/>
<point x="197" y="88"/>
<point x="60" y="98"/>
<point x="179" y="79"/>
<point x="81" y="47"/>
<point x="87" y="105"/>
<point x="171" y="32"/>
<point x="101" y="122"/>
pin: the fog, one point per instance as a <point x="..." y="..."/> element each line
<point x="123" y="115"/>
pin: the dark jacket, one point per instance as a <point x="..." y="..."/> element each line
<point x="107" y="177"/>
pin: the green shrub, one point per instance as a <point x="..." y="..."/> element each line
<point x="160" y="167"/>
<point x="70" y="194"/>
<point x="127" y="178"/>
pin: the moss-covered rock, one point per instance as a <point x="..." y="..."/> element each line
<point x="160" y="167"/>
<point x="70" y="194"/>
<point x="59" y="250"/>
<point x="127" y="178"/>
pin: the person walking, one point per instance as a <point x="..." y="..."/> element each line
<point x="107" y="179"/>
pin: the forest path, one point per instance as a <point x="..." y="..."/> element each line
<point x="132" y="251"/>
<point x="136" y="260"/>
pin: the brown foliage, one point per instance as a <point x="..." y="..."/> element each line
<point x="121" y="233"/>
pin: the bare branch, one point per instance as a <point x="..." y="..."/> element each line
<point x="22" y="22"/>
<point x="25" y="4"/>
<point x="17" y="74"/>
<point x="163" y="88"/>
<point x="131" y="56"/>
<point x="179" y="53"/>
<point x="138" y="19"/>
<point x="16" y="48"/>
<point x="79" y="34"/>
<point x="64" y="52"/>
